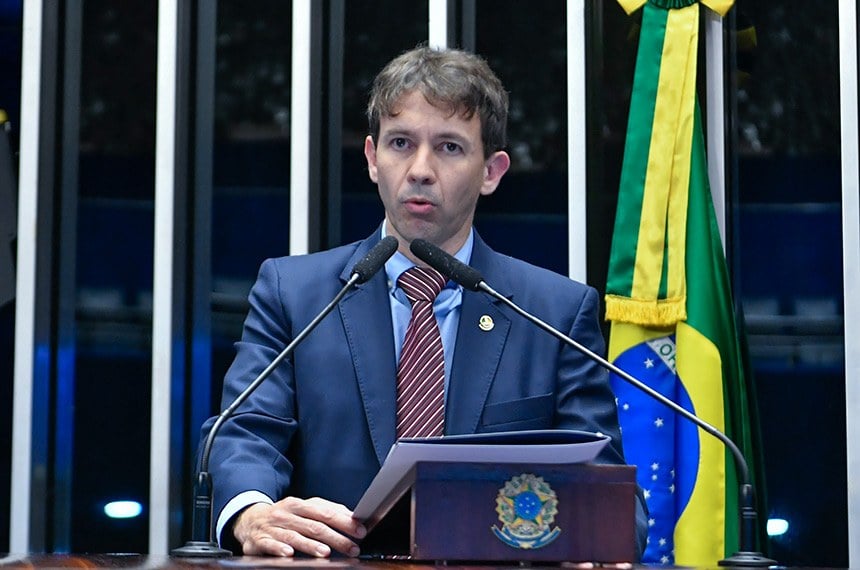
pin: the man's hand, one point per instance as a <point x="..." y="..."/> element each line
<point x="312" y="526"/>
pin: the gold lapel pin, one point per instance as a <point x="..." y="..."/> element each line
<point x="486" y="323"/>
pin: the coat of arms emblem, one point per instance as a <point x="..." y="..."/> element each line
<point x="527" y="506"/>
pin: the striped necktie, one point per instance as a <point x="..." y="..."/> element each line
<point x="421" y="372"/>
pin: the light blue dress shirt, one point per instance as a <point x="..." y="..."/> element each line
<point x="446" y="307"/>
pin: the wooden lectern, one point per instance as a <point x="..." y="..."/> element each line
<point x="517" y="512"/>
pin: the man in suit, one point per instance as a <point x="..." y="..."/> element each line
<point x="298" y="455"/>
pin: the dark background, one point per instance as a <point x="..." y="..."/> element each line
<point x="783" y="222"/>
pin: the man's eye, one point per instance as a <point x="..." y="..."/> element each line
<point x="451" y="147"/>
<point x="399" y="142"/>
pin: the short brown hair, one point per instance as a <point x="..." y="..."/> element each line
<point x="448" y="78"/>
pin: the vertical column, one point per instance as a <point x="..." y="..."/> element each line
<point x="848" y="100"/>
<point x="66" y="254"/>
<point x="715" y="115"/>
<point x="25" y="311"/>
<point x="300" y="130"/>
<point x="36" y="315"/>
<point x="466" y="24"/>
<point x="200" y="263"/>
<point x="576" y="141"/>
<point x="169" y="322"/>
<point x="162" y="290"/>
<point x="438" y="23"/>
<point x="334" y="123"/>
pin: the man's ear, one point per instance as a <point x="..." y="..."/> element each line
<point x="494" y="168"/>
<point x="370" y="155"/>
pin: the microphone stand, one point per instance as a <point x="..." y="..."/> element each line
<point x="202" y="543"/>
<point x="746" y="556"/>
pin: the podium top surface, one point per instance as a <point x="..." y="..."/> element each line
<point x="132" y="561"/>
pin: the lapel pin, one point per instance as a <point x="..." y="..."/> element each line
<point x="486" y="323"/>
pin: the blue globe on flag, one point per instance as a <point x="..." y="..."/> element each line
<point x="663" y="446"/>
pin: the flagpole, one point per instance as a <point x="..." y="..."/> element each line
<point x="716" y="116"/>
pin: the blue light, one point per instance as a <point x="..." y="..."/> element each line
<point x="123" y="509"/>
<point x="777" y="527"/>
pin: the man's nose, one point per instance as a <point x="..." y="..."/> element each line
<point x="422" y="167"/>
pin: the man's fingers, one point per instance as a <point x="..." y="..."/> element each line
<point x="316" y="510"/>
<point x="267" y="546"/>
<point x="334" y="515"/>
<point x="316" y="537"/>
<point x="314" y="526"/>
<point x="303" y="544"/>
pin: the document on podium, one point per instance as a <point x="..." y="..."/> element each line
<point x="537" y="447"/>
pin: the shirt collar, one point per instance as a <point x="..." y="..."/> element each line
<point x="398" y="263"/>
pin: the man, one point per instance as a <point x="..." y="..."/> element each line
<point x="301" y="451"/>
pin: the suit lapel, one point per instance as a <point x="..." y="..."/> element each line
<point x="478" y="351"/>
<point x="366" y="318"/>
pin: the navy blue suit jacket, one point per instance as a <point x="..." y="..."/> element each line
<point x="324" y="421"/>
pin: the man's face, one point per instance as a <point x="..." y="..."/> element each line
<point x="430" y="169"/>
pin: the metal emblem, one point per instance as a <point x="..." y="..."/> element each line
<point x="527" y="506"/>
<point x="485" y="323"/>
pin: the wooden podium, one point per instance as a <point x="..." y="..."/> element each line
<point x="518" y="512"/>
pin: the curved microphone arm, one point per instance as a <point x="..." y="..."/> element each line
<point x="246" y="393"/>
<point x="746" y="555"/>
<point x="202" y="543"/>
<point x="739" y="458"/>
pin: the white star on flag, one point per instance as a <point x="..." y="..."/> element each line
<point x="658" y="422"/>
<point x="646" y="493"/>
<point x="651" y="522"/>
<point x="649" y="363"/>
<point x="655" y="466"/>
<point x="662" y="542"/>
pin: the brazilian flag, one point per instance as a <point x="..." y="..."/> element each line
<point x="669" y="301"/>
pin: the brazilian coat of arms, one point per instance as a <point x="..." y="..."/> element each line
<point x="527" y="506"/>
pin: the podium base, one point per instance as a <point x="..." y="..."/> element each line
<point x="198" y="549"/>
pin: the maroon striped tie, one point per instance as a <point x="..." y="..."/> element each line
<point x="421" y="372"/>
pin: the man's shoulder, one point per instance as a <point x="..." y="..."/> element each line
<point x="320" y="272"/>
<point x="521" y="275"/>
<point x="334" y="258"/>
<point x="541" y="291"/>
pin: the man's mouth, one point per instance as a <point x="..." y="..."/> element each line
<point x="418" y="206"/>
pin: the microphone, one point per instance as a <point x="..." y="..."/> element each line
<point x="447" y="264"/>
<point x="470" y="278"/>
<point x="202" y="544"/>
<point x="375" y="259"/>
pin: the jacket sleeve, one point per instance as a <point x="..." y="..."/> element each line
<point x="250" y="450"/>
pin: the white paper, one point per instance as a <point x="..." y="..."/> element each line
<point x="548" y="447"/>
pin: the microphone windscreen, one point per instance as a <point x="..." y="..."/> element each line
<point x="375" y="259"/>
<point x="446" y="264"/>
